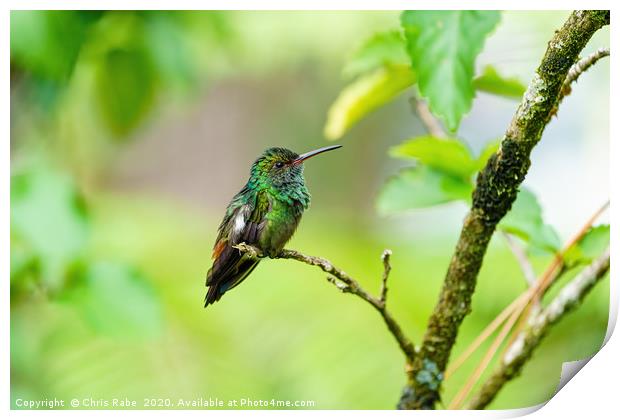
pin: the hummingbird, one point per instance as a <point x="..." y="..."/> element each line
<point x="264" y="214"/>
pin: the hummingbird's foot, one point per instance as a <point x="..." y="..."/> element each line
<point x="250" y="250"/>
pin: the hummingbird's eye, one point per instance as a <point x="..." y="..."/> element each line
<point x="279" y="165"/>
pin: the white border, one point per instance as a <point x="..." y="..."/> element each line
<point x="592" y="392"/>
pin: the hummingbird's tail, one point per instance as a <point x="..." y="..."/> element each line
<point x="227" y="273"/>
<point x="213" y="295"/>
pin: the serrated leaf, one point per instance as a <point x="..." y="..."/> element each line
<point x="125" y="88"/>
<point x="492" y="82"/>
<point x="525" y="221"/>
<point x="544" y="240"/>
<point x="420" y="187"/>
<point x="363" y="96"/>
<point x="49" y="220"/>
<point x="443" y="46"/>
<point x="382" y="49"/>
<point x="591" y="246"/>
<point x="115" y="300"/>
<point x="445" y="155"/>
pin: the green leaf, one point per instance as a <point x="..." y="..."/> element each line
<point x="492" y="82"/>
<point x="486" y="153"/>
<point x="382" y="49"/>
<point x="49" y="219"/>
<point x="544" y="240"/>
<point x="125" y="88"/>
<point x="445" y="155"/>
<point x="168" y="48"/>
<point x="47" y="42"/>
<point x="22" y="262"/>
<point x="590" y="247"/>
<point x="443" y="46"/>
<point x="364" y="95"/>
<point x="115" y="300"/>
<point x="421" y="187"/>
<point x="525" y="221"/>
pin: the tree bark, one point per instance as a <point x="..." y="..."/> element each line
<point x="496" y="189"/>
<point x="527" y="341"/>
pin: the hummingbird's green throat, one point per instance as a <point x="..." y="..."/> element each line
<point x="264" y="214"/>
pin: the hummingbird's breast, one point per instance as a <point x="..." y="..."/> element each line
<point x="280" y="224"/>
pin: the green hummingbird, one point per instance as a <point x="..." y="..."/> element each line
<point x="264" y="214"/>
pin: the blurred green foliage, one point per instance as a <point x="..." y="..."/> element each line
<point x="383" y="49"/>
<point x="107" y="283"/>
<point x="133" y="57"/>
<point x="589" y="247"/>
<point x="365" y="94"/>
<point x="50" y="234"/>
<point x="47" y="43"/>
<point x="49" y="221"/>
<point x="443" y="46"/>
<point x="431" y="187"/>
<point x="437" y="54"/>
<point x="492" y="82"/>
<point x="526" y="222"/>
<point x="443" y="173"/>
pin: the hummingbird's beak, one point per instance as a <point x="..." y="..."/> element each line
<point x="307" y="155"/>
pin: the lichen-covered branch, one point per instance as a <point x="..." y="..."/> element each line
<point x="496" y="189"/>
<point x="348" y="284"/>
<point x="528" y="340"/>
<point x="519" y="305"/>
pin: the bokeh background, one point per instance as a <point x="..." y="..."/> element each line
<point x="130" y="131"/>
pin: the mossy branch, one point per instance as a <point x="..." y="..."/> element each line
<point x="526" y="342"/>
<point x="348" y="284"/>
<point x="496" y="189"/>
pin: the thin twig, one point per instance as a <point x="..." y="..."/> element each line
<point x="385" y="257"/>
<point x="499" y="319"/>
<point x="521" y="350"/>
<point x="348" y="284"/>
<point x="526" y="266"/>
<point x="579" y="68"/>
<point x="554" y="271"/>
<point x="558" y="261"/>
<point x="518" y="305"/>
<point x="433" y="126"/>
<point x="471" y="381"/>
<point x="528" y="273"/>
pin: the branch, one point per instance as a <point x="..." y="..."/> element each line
<point x="433" y="126"/>
<point x="553" y="271"/>
<point x="521" y="257"/>
<point x="488" y="356"/>
<point x="528" y="273"/>
<point x="528" y="340"/>
<point x="496" y="189"/>
<point x="348" y="284"/>
<point x="385" y="257"/>
<point x="581" y="67"/>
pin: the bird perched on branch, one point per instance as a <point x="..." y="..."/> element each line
<point x="264" y="215"/>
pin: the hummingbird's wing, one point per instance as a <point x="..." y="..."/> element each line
<point x="244" y="222"/>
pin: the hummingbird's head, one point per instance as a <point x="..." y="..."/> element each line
<point x="278" y="166"/>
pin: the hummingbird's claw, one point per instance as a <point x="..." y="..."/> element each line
<point x="250" y="250"/>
